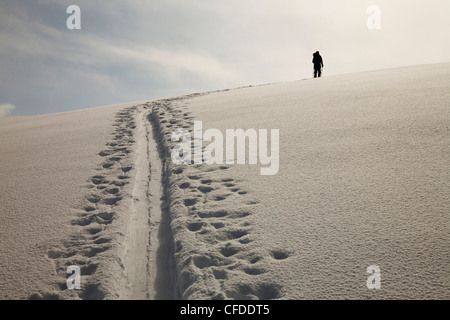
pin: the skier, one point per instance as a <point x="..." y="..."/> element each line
<point x="318" y="64"/>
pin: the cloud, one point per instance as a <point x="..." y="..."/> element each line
<point x="135" y="50"/>
<point x="5" y="109"/>
<point x="200" y="63"/>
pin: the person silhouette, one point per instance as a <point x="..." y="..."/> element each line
<point x="318" y="64"/>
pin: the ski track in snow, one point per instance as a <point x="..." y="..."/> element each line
<point x="90" y="246"/>
<point x="210" y="235"/>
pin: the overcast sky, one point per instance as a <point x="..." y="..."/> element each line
<point x="145" y="49"/>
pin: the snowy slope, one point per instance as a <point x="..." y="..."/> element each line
<point x="362" y="180"/>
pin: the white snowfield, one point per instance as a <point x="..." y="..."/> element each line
<point x="362" y="180"/>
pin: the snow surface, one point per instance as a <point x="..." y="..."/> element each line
<point x="47" y="167"/>
<point x="363" y="180"/>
